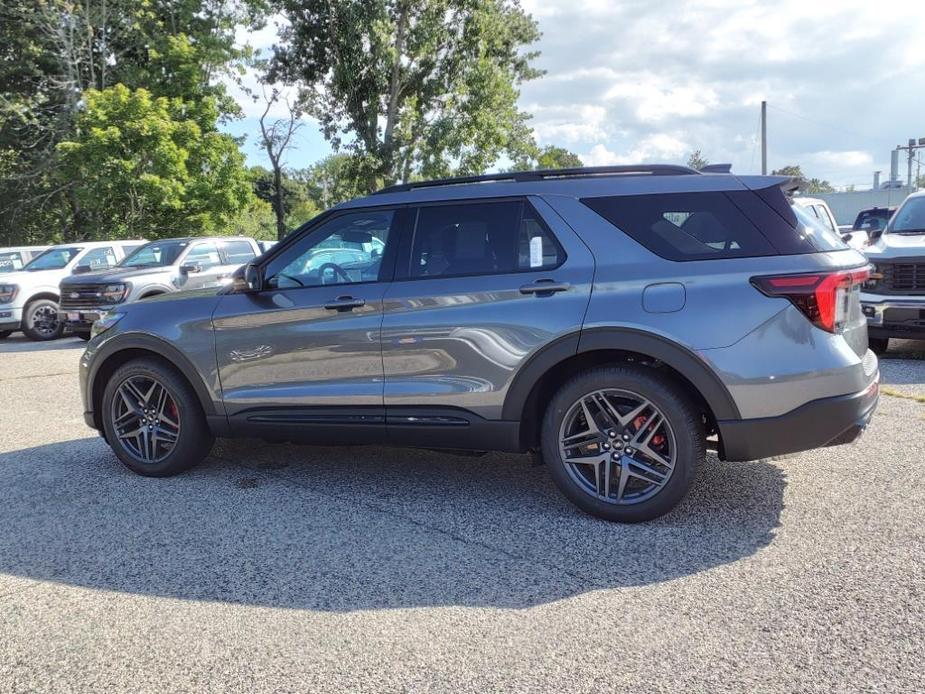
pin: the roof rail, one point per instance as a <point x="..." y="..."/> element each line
<point x="544" y="174"/>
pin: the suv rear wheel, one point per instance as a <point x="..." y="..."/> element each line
<point x="40" y="320"/>
<point x="622" y="442"/>
<point x="153" y="419"/>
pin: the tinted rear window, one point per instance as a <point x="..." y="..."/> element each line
<point x="684" y="226"/>
<point x="712" y="225"/>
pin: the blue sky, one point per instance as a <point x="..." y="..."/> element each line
<point x="643" y="81"/>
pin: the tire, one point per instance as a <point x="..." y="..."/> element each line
<point x="5" y="334"/>
<point x="193" y="441"/>
<point x="83" y="335"/>
<point x="626" y="388"/>
<point x="37" y="323"/>
<point x="878" y="345"/>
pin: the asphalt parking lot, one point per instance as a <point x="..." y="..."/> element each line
<point x="282" y="568"/>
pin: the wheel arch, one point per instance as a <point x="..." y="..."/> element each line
<point x="123" y="349"/>
<point x="541" y="376"/>
<point x="44" y="294"/>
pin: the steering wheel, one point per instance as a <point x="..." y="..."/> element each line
<point x="338" y="270"/>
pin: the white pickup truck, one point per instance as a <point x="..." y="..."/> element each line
<point x="894" y="298"/>
<point x="29" y="298"/>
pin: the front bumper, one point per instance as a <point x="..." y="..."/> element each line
<point x="10" y="318"/>
<point x="82" y="317"/>
<point x="826" y="422"/>
<point x="894" y="316"/>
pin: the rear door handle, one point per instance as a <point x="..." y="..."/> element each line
<point x="545" y="287"/>
<point x="344" y="303"/>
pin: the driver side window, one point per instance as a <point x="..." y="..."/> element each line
<point x="347" y="249"/>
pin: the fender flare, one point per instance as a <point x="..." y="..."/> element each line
<point x="158" y="347"/>
<point x="679" y="358"/>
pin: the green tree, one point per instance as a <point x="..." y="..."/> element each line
<point x="552" y="157"/>
<point x="696" y="160"/>
<point x="52" y="51"/>
<point x="142" y="166"/>
<point x="807" y="185"/>
<point x="411" y="87"/>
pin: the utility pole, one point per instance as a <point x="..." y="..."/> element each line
<point x="764" y="137"/>
<point x="910" y="149"/>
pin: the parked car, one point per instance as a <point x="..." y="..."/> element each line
<point x="16" y="258"/>
<point x="893" y="299"/>
<point x="822" y="213"/>
<point x="873" y="219"/>
<point x="160" y="267"/>
<point x="621" y="320"/>
<point x="29" y="298"/>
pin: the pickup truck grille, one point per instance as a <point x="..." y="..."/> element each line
<point x="903" y="278"/>
<point x="82" y="295"/>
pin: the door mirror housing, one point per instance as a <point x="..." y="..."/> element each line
<point x="247" y="279"/>
<point x="190" y="269"/>
<point x="82" y="270"/>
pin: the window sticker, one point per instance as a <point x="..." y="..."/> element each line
<point x="536" y="251"/>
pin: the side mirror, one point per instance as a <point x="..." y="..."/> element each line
<point x="874" y="235"/>
<point x="247" y="280"/>
<point x="190" y="269"/>
<point x="847" y="237"/>
<point x="82" y="270"/>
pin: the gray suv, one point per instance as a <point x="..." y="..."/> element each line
<point x="159" y="267"/>
<point x="620" y="321"/>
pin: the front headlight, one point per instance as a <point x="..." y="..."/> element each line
<point x="8" y="293"/>
<point x="115" y="293"/>
<point x="876" y="274"/>
<point x="105" y="323"/>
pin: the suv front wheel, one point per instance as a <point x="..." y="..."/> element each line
<point x="622" y="442"/>
<point x="153" y="419"/>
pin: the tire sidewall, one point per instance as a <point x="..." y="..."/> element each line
<point x="668" y="398"/>
<point x="195" y="440"/>
<point x="28" y="326"/>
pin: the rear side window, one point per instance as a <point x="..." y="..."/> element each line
<point x="239" y="252"/>
<point x="486" y="238"/>
<point x="685" y="226"/>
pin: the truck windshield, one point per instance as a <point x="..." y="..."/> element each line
<point x="156" y="254"/>
<point x="53" y="259"/>
<point x="910" y="218"/>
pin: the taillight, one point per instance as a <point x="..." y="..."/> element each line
<point x="822" y="296"/>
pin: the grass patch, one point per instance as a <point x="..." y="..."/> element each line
<point x="905" y="396"/>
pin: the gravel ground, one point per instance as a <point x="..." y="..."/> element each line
<point x="282" y="568"/>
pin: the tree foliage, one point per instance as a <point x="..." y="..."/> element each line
<point x="696" y="160"/>
<point x="149" y="167"/>
<point x="53" y="51"/>
<point x="412" y="87"/>
<point x="807" y="185"/>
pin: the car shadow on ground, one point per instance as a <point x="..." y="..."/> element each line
<point x="20" y="343"/>
<point x="356" y="528"/>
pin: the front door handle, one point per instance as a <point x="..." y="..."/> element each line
<point x="344" y="303"/>
<point x="545" y="287"/>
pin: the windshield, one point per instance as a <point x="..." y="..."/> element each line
<point x="910" y="218"/>
<point x="53" y="259"/>
<point x="156" y="254"/>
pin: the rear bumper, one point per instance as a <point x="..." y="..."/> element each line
<point x="825" y="422"/>
<point x="894" y="316"/>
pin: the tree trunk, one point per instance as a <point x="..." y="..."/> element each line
<point x="278" y="208"/>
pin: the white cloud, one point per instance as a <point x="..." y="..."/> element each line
<point x="650" y="149"/>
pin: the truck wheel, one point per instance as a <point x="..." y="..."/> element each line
<point x="40" y="321"/>
<point x="5" y="334"/>
<point x="153" y="419"/>
<point x="622" y="442"/>
<point x="878" y="345"/>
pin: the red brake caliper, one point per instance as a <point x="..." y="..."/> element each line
<point x="658" y="440"/>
